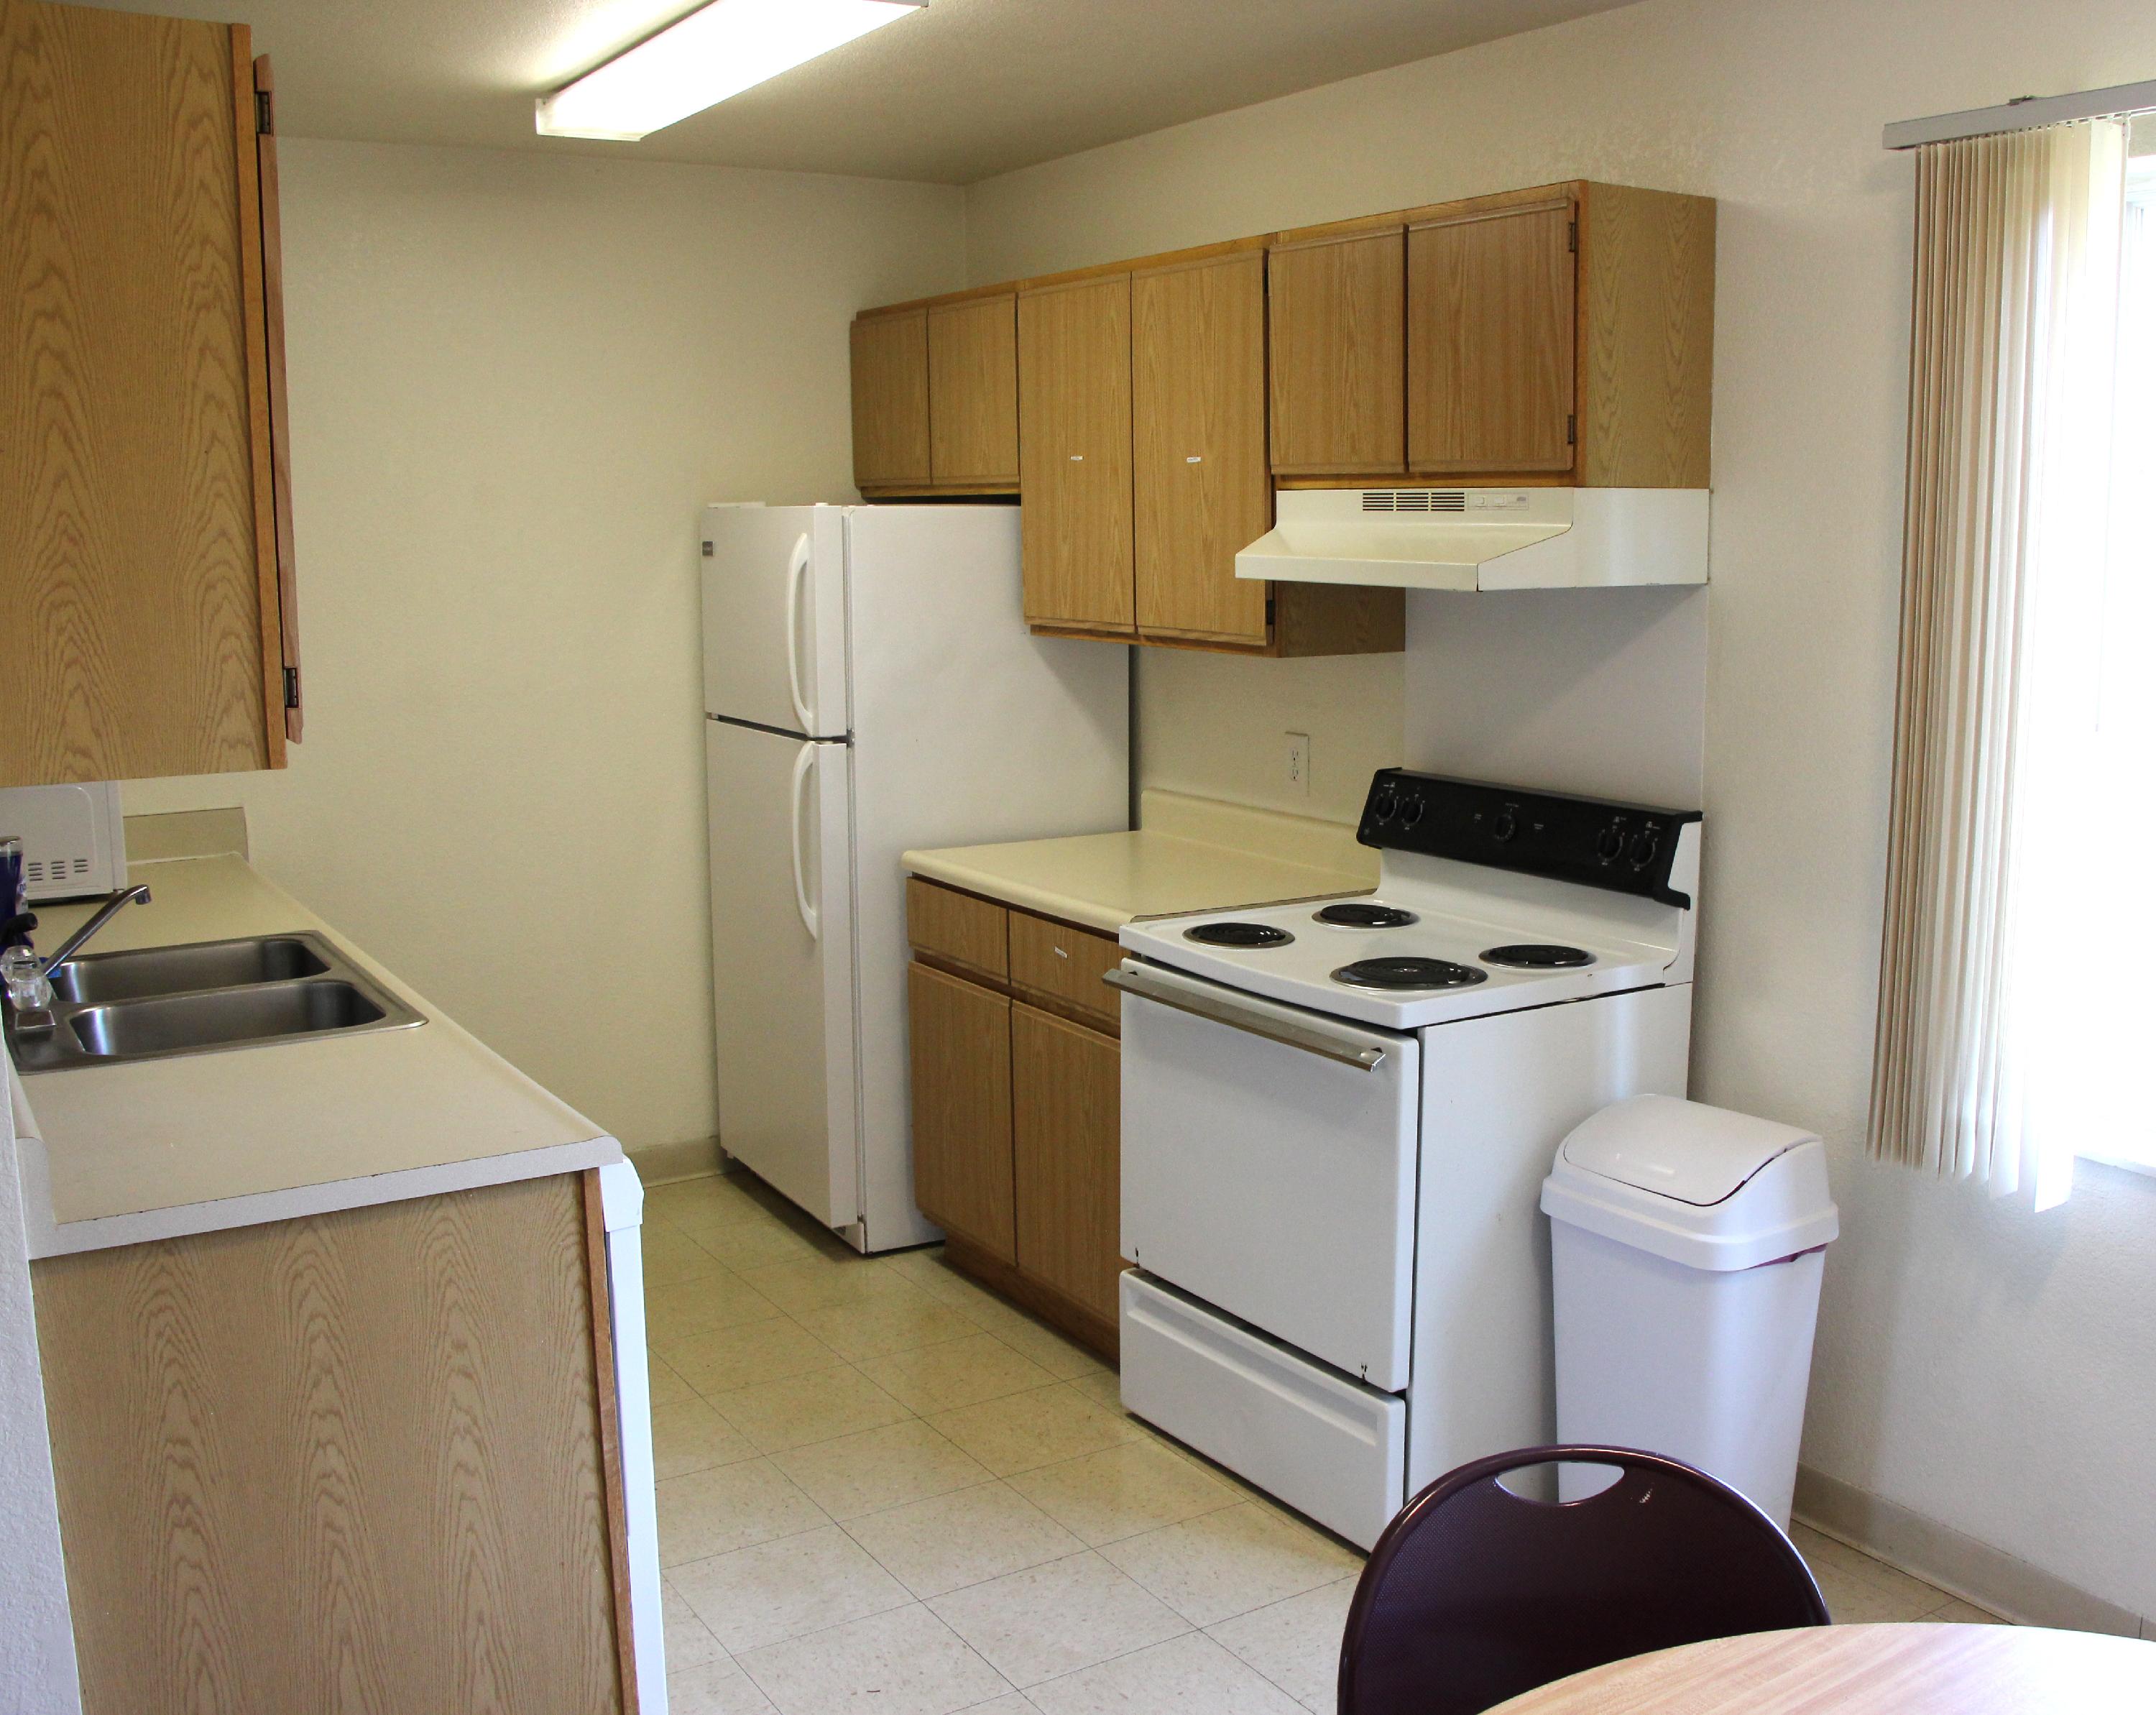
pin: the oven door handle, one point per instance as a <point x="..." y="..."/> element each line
<point x="1356" y="1051"/>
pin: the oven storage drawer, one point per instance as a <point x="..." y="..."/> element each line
<point x="1331" y="1448"/>
<point x="1269" y="1166"/>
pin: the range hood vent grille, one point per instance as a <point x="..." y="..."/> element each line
<point x="1414" y="499"/>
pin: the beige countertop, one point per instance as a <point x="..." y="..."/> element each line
<point x="118" y="1154"/>
<point x="1190" y="855"/>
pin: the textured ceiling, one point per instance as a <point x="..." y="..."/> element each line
<point x="960" y="91"/>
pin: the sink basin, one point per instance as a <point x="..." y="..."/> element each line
<point x="150" y="1004"/>
<point x="179" y="970"/>
<point x="181" y="1024"/>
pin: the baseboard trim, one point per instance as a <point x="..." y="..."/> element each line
<point x="1959" y="1563"/>
<point x="692" y="1158"/>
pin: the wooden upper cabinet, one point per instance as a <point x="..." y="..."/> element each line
<point x="891" y="399"/>
<point x="1491" y="339"/>
<point x="142" y="488"/>
<point x="1202" y="492"/>
<point x="973" y="393"/>
<point x="1338" y="309"/>
<point x="1074" y="410"/>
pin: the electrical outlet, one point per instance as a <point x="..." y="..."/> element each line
<point x="1298" y="763"/>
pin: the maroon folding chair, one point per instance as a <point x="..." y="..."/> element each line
<point x="1474" y="1594"/>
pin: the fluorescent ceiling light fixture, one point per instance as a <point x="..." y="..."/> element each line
<point x="729" y="46"/>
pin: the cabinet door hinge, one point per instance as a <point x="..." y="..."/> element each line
<point x="1572" y="238"/>
<point x="291" y="687"/>
<point x="265" y="118"/>
<point x="1571" y="430"/>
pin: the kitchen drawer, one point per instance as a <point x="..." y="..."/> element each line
<point x="949" y="925"/>
<point x="1332" y="1448"/>
<point x="1065" y="964"/>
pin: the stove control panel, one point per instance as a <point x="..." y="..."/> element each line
<point x="1625" y="848"/>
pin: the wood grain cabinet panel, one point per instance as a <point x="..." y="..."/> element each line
<point x="960" y="927"/>
<point x="142" y="630"/>
<point x="1066" y="1085"/>
<point x="348" y="1463"/>
<point x="1491" y="340"/>
<point x="1203" y="493"/>
<point x="1646" y="382"/>
<point x="1074" y="408"/>
<point x="890" y="398"/>
<point x="1065" y="965"/>
<point x="959" y="1040"/>
<point x="973" y="393"/>
<point x="1337" y="363"/>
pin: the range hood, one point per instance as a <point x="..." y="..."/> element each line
<point x="1484" y="538"/>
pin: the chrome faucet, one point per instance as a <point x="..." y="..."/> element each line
<point x="106" y="913"/>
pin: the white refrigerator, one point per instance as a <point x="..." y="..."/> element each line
<point x="870" y="687"/>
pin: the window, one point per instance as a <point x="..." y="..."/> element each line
<point x="2016" y="1011"/>
<point x="2120" y="1012"/>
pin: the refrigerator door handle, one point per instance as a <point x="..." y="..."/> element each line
<point x="797" y="569"/>
<point x="804" y="765"/>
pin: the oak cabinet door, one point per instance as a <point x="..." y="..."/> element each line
<point x="140" y="616"/>
<point x="1491" y="339"/>
<point x="973" y="393"/>
<point x="891" y="399"/>
<point x="1074" y="408"/>
<point x="1337" y="324"/>
<point x="959" y="1043"/>
<point x="1067" y="1127"/>
<point x="1202" y="491"/>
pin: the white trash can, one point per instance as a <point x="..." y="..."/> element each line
<point x="1686" y="1243"/>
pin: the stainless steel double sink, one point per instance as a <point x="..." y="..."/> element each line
<point x="159" y="1001"/>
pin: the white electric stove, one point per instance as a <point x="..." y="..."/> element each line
<point x="1336" y="1116"/>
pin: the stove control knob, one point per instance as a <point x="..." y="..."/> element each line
<point x="1504" y="826"/>
<point x="1411" y="812"/>
<point x="1645" y="843"/>
<point x="1383" y="804"/>
<point x="1609" y="845"/>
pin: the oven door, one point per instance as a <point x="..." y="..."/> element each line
<point x="1269" y="1165"/>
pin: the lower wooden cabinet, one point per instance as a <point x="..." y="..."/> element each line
<point x="357" y="1461"/>
<point x="1066" y="1135"/>
<point x="960" y="1052"/>
<point x="1018" y="1108"/>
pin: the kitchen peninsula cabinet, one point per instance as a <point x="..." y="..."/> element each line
<point x="1017" y="1103"/>
<point x="147" y="599"/>
<point x="359" y="1460"/>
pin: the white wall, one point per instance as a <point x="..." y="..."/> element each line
<point x="37" y="1642"/>
<point x="515" y="380"/>
<point x="1992" y="1369"/>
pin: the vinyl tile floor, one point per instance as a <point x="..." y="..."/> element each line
<point x="883" y="1489"/>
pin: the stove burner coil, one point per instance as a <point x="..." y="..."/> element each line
<point x="1538" y="956"/>
<point x="1409" y="973"/>
<point x="1237" y="935"/>
<point x="1364" y="914"/>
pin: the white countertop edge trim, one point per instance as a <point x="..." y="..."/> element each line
<point x="47" y="1239"/>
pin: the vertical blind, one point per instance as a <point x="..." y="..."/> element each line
<point x="1980" y="1063"/>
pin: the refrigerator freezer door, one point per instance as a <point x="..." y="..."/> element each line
<point x="783" y="963"/>
<point x="775" y="618"/>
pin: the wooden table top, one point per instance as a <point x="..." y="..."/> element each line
<point x="1868" y="1670"/>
